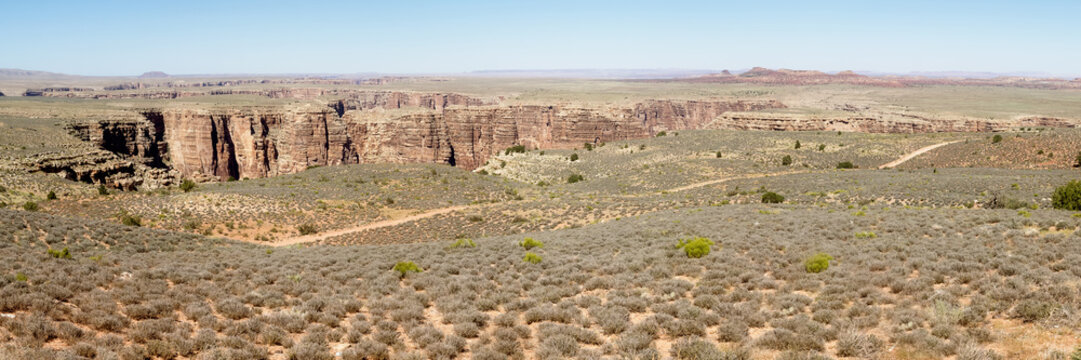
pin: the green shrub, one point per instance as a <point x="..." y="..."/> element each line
<point x="463" y="243"/>
<point x="718" y="154"/>
<point x="51" y="195"/>
<point x="996" y="139"/>
<point x="532" y="258"/>
<point x="575" y="178"/>
<point x="574" y="157"/>
<point x="131" y="220"/>
<point x="30" y="206"/>
<point x="1033" y="310"/>
<point x="845" y="165"/>
<point x="1067" y="197"/>
<point x="817" y="263"/>
<point x="1077" y="160"/>
<point x="798" y="144"/>
<point x="786" y="160"/>
<point x="406" y="267"/>
<point x="59" y="254"/>
<point x="514" y="149"/>
<point x="772" y="198"/>
<point x="306" y="229"/>
<point x="1076" y="354"/>
<point x="187" y="185"/>
<point x="695" y="247"/>
<point x="866" y="235"/>
<point x="102" y="190"/>
<point x="21" y="277"/>
<point x="662" y="133"/>
<point x="589" y="147"/>
<point x="529" y="244"/>
<point x="821" y="147"/>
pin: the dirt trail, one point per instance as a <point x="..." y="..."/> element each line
<point x="914" y="154"/>
<point x="730" y="178"/>
<point x="430" y="213"/>
<point x="369" y="226"/>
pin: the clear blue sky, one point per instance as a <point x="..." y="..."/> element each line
<point x="400" y="36"/>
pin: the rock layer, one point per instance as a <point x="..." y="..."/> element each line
<point x="903" y="123"/>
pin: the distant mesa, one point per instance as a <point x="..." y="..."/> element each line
<point x="153" y="75"/>
<point x="761" y="75"/>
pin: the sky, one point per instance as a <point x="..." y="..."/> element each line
<point x="403" y="36"/>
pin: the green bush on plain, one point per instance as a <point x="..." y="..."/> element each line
<point x="695" y="247"/>
<point x="818" y="263"/>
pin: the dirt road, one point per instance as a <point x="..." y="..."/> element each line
<point x="369" y="226"/>
<point x="914" y="154"/>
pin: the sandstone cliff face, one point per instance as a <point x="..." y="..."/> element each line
<point x="137" y="139"/>
<point x="468" y="136"/>
<point x="253" y="142"/>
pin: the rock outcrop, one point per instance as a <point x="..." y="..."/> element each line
<point x="102" y="167"/>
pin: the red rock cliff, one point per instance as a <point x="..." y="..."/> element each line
<point x="258" y="142"/>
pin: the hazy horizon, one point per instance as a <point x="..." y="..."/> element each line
<point x="129" y="38"/>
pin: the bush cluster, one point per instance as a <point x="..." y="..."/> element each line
<point x="463" y="243"/>
<point x="306" y="229"/>
<point x="1067" y="197"/>
<point x="772" y="198"/>
<point x="817" y="263"/>
<point x="532" y="258"/>
<point x="186" y="186"/>
<point x="514" y="149"/>
<point x="530" y="243"/>
<point x="405" y="267"/>
<point x="695" y="247"/>
<point x="59" y="254"/>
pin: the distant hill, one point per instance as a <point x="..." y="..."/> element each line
<point x="153" y="75"/>
<point x="22" y="74"/>
<point x="761" y="75"/>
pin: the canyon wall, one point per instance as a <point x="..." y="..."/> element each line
<point x="254" y="142"/>
<point x="240" y="142"/>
